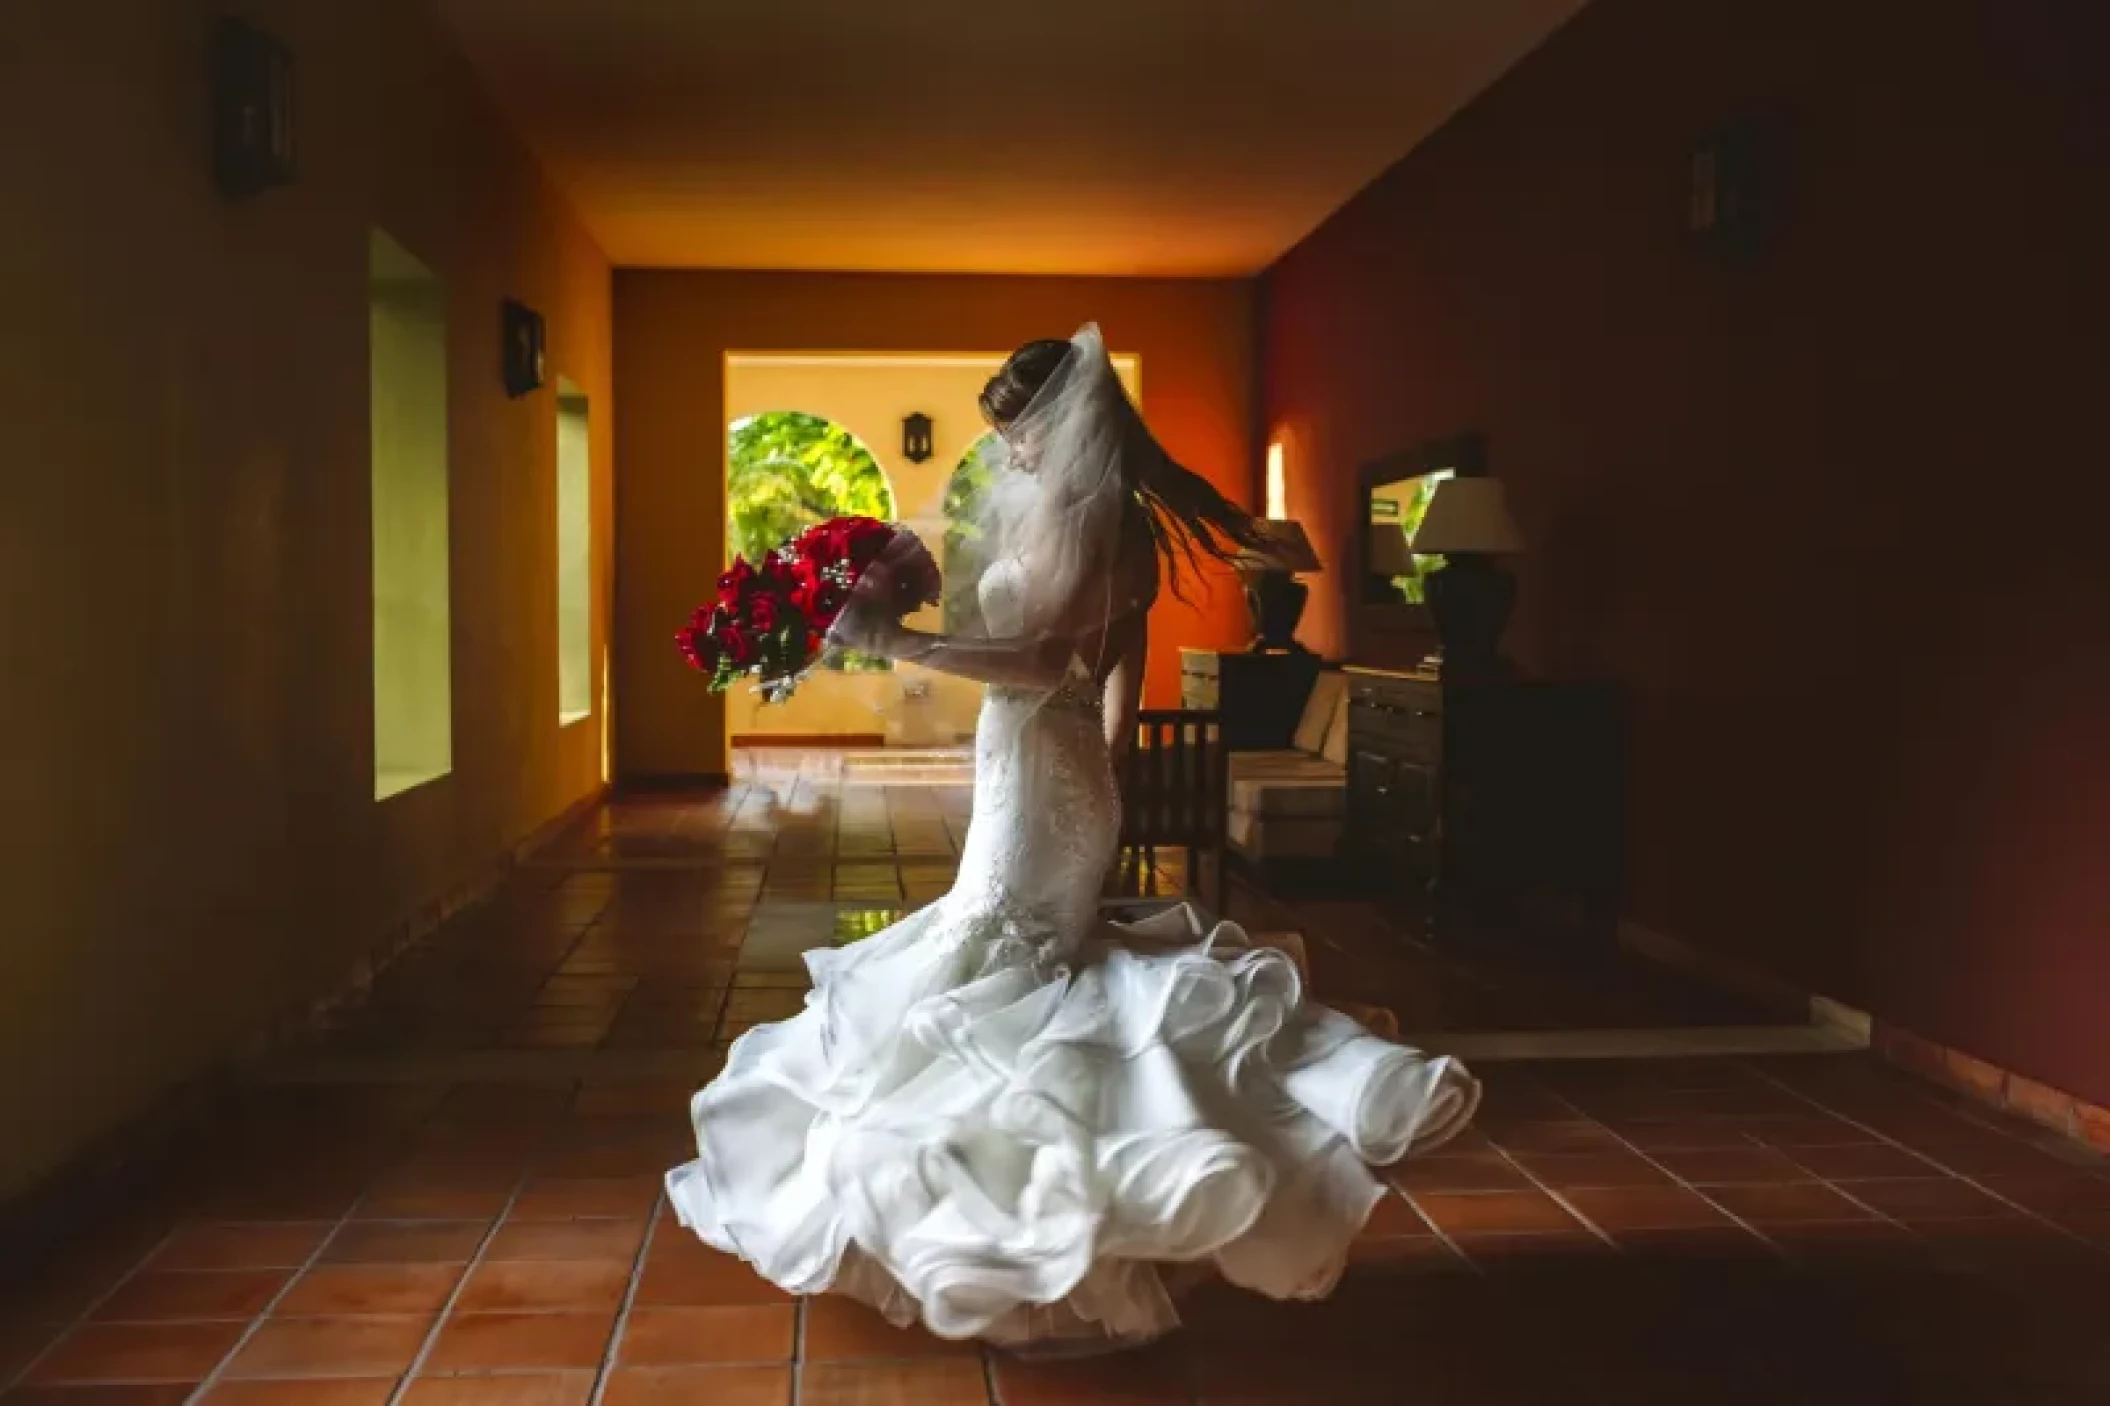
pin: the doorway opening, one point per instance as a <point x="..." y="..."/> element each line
<point x="815" y="435"/>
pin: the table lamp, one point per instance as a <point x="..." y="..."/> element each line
<point x="1470" y="595"/>
<point x="1273" y="594"/>
<point x="1391" y="555"/>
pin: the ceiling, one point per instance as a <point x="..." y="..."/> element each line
<point x="1112" y="137"/>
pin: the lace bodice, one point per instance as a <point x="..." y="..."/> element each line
<point x="1046" y="815"/>
<point x="1001" y="594"/>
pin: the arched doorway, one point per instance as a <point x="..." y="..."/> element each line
<point x="785" y="471"/>
<point x="963" y="558"/>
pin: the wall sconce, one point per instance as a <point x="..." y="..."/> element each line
<point x="521" y="337"/>
<point x="915" y="437"/>
<point x="1721" y="202"/>
<point x="252" y="110"/>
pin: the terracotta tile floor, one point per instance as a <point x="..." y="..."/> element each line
<point x="454" y="1199"/>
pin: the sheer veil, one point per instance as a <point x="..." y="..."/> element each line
<point x="1060" y="501"/>
<point x="1058" y="527"/>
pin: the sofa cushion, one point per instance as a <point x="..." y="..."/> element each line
<point x="1287" y="784"/>
<point x="1326" y="691"/>
<point x="1336" y="748"/>
<point x="1262" y="838"/>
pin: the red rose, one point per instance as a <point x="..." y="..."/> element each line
<point x="734" y="583"/>
<point x="736" y="644"/>
<point x="856" y="540"/>
<point x="790" y="601"/>
<point x="699" y="648"/>
<point x="817" y="598"/>
<point x="762" y="613"/>
<point x="836" y="540"/>
<point x="863" y="539"/>
<point x="776" y="573"/>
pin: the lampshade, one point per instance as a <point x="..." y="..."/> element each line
<point x="1468" y="515"/>
<point x="1288" y="549"/>
<point x="1389" y="553"/>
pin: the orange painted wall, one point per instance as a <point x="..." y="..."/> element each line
<point x="1835" y="520"/>
<point x="672" y="331"/>
<point x="191" y="839"/>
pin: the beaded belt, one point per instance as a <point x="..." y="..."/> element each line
<point x="1077" y="695"/>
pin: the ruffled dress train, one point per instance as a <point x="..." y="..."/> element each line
<point x="1007" y="1118"/>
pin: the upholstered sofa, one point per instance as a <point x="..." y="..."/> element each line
<point x="1292" y="804"/>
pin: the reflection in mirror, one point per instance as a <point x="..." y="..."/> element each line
<point x="1394" y="574"/>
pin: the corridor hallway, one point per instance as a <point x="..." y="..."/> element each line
<point x="366" y="380"/>
<point x="451" y="1196"/>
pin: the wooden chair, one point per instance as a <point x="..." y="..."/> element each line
<point x="1174" y="783"/>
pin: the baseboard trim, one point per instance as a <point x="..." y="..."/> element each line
<point x="1675" y="1042"/>
<point x="675" y="782"/>
<point x="1726" y="974"/>
<point x="101" y="1173"/>
<point x="1991" y="1086"/>
<point x="1844" y="1027"/>
<point x="1837" y="1015"/>
<point x="357" y="984"/>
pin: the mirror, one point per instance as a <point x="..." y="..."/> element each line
<point x="1394" y="492"/>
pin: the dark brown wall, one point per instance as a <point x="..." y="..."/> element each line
<point x="1836" y="519"/>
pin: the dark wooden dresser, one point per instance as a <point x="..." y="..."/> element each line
<point x="1259" y="696"/>
<point x="1499" y="800"/>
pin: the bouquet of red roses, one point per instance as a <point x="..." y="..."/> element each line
<point x="771" y="621"/>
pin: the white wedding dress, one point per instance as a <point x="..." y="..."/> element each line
<point x="1003" y="1117"/>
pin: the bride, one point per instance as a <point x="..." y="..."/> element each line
<point x="1005" y="1117"/>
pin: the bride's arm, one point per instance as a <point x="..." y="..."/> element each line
<point x="1123" y="696"/>
<point x="1043" y="663"/>
<point x="1041" y="658"/>
<point x="871" y="624"/>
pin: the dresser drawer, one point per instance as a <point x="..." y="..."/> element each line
<point x="1394" y="814"/>
<point x="1399" y="715"/>
<point x="1404" y="733"/>
<point x="1396" y="694"/>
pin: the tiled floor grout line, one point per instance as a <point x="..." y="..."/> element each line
<point x="1736" y="1107"/>
<point x="622" y="1313"/>
<point x="1563" y="1202"/>
<point x="345" y="1218"/>
<point x="1876" y="1134"/>
<point x="461" y="1285"/>
<point x="798" y="1350"/>
<point x="1428" y="1220"/>
<point x="1678" y="1179"/>
<point x="263" y="1315"/>
<point x="86" y="1315"/>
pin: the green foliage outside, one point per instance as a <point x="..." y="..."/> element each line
<point x="789" y="470"/>
<point x="1415" y="587"/>
<point x="963" y="546"/>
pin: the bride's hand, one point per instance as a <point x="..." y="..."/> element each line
<point x="902" y="580"/>
<point x="913" y="578"/>
<point x="867" y="623"/>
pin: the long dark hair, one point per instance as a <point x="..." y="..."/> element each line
<point x="1181" y="513"/>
